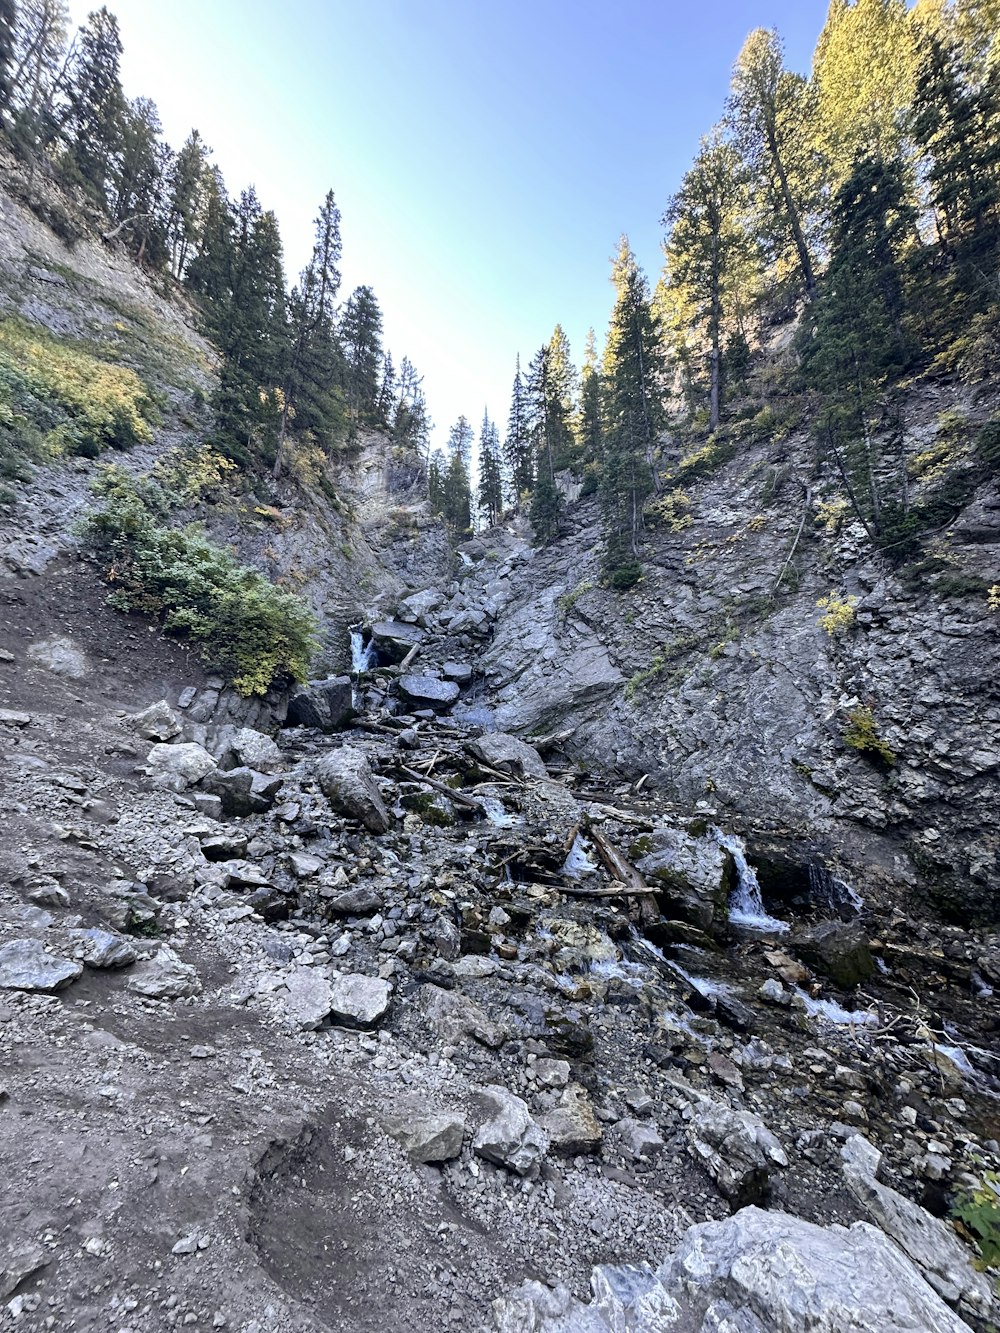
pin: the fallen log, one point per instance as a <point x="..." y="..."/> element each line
<point x="459" y="797"/>
<point x="623" y="872"/>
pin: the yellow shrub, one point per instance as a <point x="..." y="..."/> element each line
<point x="830" y="514"/>
<point x="839" y="613"/>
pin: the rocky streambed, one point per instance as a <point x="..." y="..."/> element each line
<point x="378" y="1019"/>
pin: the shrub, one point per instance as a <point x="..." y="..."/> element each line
<point x="979" y="1213"/>
<point x="567" y="600"/>
<point x="839" y="615"/>
<point x="669" y="511"/>
<point x="626" y="576"/>
<point x="861" y="734"/>
<point x="249" y="630"/>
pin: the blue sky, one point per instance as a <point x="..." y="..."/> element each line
<point x="485" y="158"/>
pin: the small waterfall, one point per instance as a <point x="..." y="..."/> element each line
<point x="834" y="894"/>
<point x="746" y="904"/>
<point x="578" y="862"/>
<point x="362" y="654"/>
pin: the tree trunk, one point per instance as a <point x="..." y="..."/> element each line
<point x="805" y="262"/>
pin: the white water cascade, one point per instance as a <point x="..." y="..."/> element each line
<point x="746" y="904"/>
<point x="361" y="653"/>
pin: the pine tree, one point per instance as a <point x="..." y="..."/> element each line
<point x="456" y="489"/>
<point x="410" y="422"/>
<point x="548" y="428"/>
<point x="771" y="112"/>
<point x="136" y="186"/>
<point x="710" y="252"/>
<point x="517" y="445"/>
<point x="92" y="125"/>
<point x="563" y="392"/>
<point x="36" y="71"/>
<point x="855" y="344"/>
<point x="361" y="340"/>
<point x="632" y="376"/>
<point x="589" y="422"/>
<point x="490" y="492"/>
<point x="8" y="27"/>
<point x="186" y="193"/>
<point x="435" y="482"/>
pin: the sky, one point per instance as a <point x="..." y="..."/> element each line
<point x="485" y="157"/>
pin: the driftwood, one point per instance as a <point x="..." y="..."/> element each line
<point x="613" y="891"/>
<point x="625" y="874"/>
<point x="409" y="657"/>
<point x="459" y="797"/>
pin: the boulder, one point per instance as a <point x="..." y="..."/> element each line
<point x="736" y="1148"/>
<point x="838" y="950"/>
<point x="164" y="977"/>
<point x="24" y="965"/>
<point x="508" y="753"/>
<point x="158" y="722"/>
<point x="393" y="639"/>
<point x="252" y="749"/>
<point x="428" y="692"/>
<point x="636" y="1139"/>
<point x="362" y="900"/>
<point x="456" y="1016"/>
<point x="754" y="1272"/>
<point x="306" y="999"/>
<point x="243" y="791"/>
<point x="223" y="846"/>
<point x="327" y="704"/>
<point x="358" y="1001"/>
<point x="459" y="672"/>
<point x="419" y="607"/>
<point x="102" y="948"/>
<point x="178" y="766"/>
<point x="572" y="1126"/>
<point x="510" y="1137"/>
<point x="692" y="874"/>
<point x="347" y="782"/>
<point x="427" y="1136"/>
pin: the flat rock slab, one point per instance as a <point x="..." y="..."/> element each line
<point x="359" y="1001"/>
<point x="428" y="691"/>
<point x="164" y="977"/>
<point x="24" y="965"/>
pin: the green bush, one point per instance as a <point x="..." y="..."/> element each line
<point x="625" y="576"/>
<point x="861" y="734"/>
<point x="248" y="629"/>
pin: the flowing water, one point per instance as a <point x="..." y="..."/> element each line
<point x="362" y="654"/>
<point x="746" y="904"/>
<point x="578" y="863"/>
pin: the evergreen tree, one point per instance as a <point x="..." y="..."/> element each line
<point x="209" y="273"/>
<point x="855" y="344"/>
<point x="386" y="400"/>
<point x="589" y="422"/>
<point x="137" y="183"/>
<point x="186" y="196"/>
<point x="632" y="376"/>
<point x="517" y="445"/>
<point x="36" y="71"/>
<point x="92" y="125"/>
<point x="561" y="405"/>
<point x="548" y="429"/>
<point x="8" y="27"/>
<point x="435" y="482"/>
<point x="490" y="494"/>
<point x="410" y="422"/>
<point x="771" y="113"/>
<point x="456" y="488"/>
<point x="709" y="250"/>
<point x="361" y="340"/>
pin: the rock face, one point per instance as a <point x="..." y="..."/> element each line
<point x="736" y="1148"/>
<point x="836" y="950"/>
<point x="325" y="704"/>
<point x="347" y="782"/>
<point x="164" y="977"/>
<point x="694" y="873"/>
<point x="508" y="753"/>
<point x="510" y="1137"/>
<point x="755" y="1272"/>
<point x="428" y="692"/>
<point x="427" y="1136"/>
<point x="24" y="965"/>
<point x="179" y="766"/>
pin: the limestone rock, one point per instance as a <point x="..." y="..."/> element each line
<point x="637" y="1139"/>
<point x="419" y="607"/>
<point x="158" y="722"/>
<point x="223" y="846"/>
<point x="164" y="977"/>
<point x="837" y="950"/>
<point x="346" y="781"/>
<point x="103" y="948"/>
<point x="457" y="1016"/>
<point x="24" y="965"/>
<point x="459" y="672"/>
<point x="508" y="753"/>
<point x="427" y="1136"/>
<point x="754" y="1272"/>
<point x="325" y="704"/>
<point x="61" y="656"/>
<point x="362" y="900"/>
<point x="428" y="691"/>
<point x="736" y="1148"/>
<point x="510" y="1137"/>
<point x="572" y="1126"/>
<point x="307" y="999"/>
<point x="359" y="1001"/>
<point x="693" y="874"/>
<point x="178" y="766"/>
<point x="253" y="749"/>
<point x="243" y="791"/>
<point x="393" y="639"/>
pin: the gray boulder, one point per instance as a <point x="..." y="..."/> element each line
<point x="326" y="705"/>
<point x="754" y="1272"/>
<point x="456" y="1016"/>
<point x="572" y="1126"/>
<point x="362" y="900"/>
<point x="164" y="977"/>
<point x="306" y="999"/>
<point x="347" y="782"/>
<point x="428" y="692"/>
<point x="358" y="1001"/>
<point x="427" y="1136"/>
<point x="24" y="965"/>
<point x="459" y="672"/>
<point x="158" y="722"/>
<point x="736" y="1148"/>
<point x="837" y="950"/>
<point x="393" y="639"/>
<point x="102" y="948"/>
<point x="252" y="749"/>
<point x="178" y="766"/>
<point x="243" y="791"/>
<point x="692" y="873"/>
<point x="510" y="1137"/>
<point x="508" y="753"/>
<point x="419" y="607"/>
